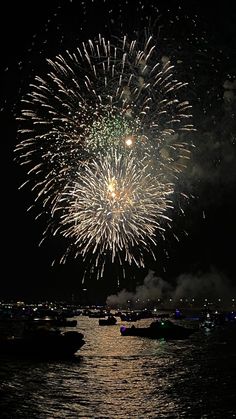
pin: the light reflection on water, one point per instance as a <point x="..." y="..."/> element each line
<point x="125" y="377"/>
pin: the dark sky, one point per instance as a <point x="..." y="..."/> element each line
<point x="33" y="31"/>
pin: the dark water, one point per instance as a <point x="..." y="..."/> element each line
<point x="126" y="377"/>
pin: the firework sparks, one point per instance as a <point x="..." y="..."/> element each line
<point x="103" y="140"/>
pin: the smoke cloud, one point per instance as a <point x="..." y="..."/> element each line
<point x="211" y="286"/>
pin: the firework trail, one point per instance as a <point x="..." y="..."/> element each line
<point x="102" y="136"/>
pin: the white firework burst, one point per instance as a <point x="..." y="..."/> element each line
<point x="115" y="206"/>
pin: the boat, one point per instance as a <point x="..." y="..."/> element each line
<point x="110" y="321"/>
<point x="42" y="343"/>
<point x="97" y="314"/>
<point x="157" y="330"/>
<point x="53" y="321"/>
<point x="130" y="317"/>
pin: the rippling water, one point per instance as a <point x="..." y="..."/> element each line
<point x="126" y="377"/>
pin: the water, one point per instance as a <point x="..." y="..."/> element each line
<point x="126" y="377"/>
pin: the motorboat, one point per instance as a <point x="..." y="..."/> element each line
<point x="42" y="343"/>
<point x="158" y="329"/>
<point x="130" y="316"/>
<point x="52" y="321"/>
<point x="110" y="321"/>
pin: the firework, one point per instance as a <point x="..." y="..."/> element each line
<point x="103" y="140"/>
<point x="114" y="205"/>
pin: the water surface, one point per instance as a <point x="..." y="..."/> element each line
<point x="121" y="377"/>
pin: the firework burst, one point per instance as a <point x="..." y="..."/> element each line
<point x="114" y="205"/>
<point x="103" y="140"/>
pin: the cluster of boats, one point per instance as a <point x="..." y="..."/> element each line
<point x="36" y="332"/>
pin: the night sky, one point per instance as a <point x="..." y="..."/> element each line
<point x="33" y="31"/>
